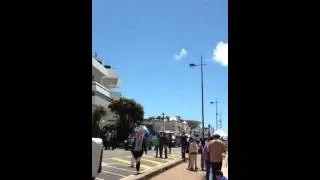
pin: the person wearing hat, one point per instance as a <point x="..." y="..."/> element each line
<point x="193" y="150"/>
<point x="139" y="145"/>
<point x="216" y="149"/>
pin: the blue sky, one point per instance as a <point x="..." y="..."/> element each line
<point x="151" y="43"/>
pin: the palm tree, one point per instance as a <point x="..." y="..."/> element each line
<point x="97" y="114"/>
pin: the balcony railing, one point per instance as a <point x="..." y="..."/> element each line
<point x="97" y="87"/>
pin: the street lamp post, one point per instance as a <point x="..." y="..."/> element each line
<point x="202" y="109"/>
<point x="216" y="102"/>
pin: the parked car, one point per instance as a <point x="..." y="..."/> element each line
<point x="128" y="143"/>
<point x="97" y="155"/>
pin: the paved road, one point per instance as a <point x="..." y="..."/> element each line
<point x="116" y="163"/>
<point x="180" y="172"/>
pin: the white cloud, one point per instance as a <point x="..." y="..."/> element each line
<point x="181" y="54"/>
<point x="220" y="53"/>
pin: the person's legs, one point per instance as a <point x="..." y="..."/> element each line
<point x="138" y="164"/>
<point x="202" y="162"/>
<point x="195" y="160"/>
<point x="165" y="152"/>
<point x="170" y="148"/>
<point x="191" y="163"/>
<point x="207" y="169"/>
<point x="161" y="148"/>
<point x="189" y="157"/>
<point x="214" y="170"/>
<point x="183" y="153"/>
<point x="114" y="144"/>
<point x="157" y="149"/>
<point x="132" y="160"/>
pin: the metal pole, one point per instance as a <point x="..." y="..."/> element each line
<point x="202" y="98"/>
<point x="216" y="114"/>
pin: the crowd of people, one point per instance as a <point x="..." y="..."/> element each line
<point x="162" y="142"/>
<point x="109" y="138"/>
<point x="211" y="151"/>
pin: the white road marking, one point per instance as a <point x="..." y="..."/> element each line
<point x="114" y="173"/>
<point x="120" y="169"/>
<point x="104" y="164"/>
<point x="98" y="179"/>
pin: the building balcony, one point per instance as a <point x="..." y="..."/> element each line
<point x="99" y="88"/>
<point x="104" y="74"/>
<point x="116" y="95"/>
<point x="103" y="96"/>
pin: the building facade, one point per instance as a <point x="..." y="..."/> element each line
<point x="174" y="126"/>
<point x="104" y="80"/>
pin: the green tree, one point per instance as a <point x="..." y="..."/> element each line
<point x="193" y="124"/>
<point x="130" y="114"/>
<point x="97" y="114"/>
<point x="168" y="118"/>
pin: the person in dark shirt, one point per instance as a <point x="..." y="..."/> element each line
<point x="183" y="146"/>
<point x="163" y="145"/>
<point x="169" y="143"/>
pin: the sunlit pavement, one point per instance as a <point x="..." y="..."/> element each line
<point x="116" y="163"/>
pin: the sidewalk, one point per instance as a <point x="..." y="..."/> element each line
<point x="181" y="173"/>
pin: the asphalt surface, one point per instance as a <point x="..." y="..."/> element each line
<point x="116" y="163"/>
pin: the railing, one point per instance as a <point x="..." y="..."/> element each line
<point x="97" y="87"/>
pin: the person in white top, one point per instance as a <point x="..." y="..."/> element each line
<point x="193" y="150"/>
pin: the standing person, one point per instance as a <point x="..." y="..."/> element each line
<point x="104" y="139"/>
<point x="183" y="146"/>
<point x="196" y="156"/>
<point x="161" y="144"/>
<point x="193" y="150"/>
<point x="169" y="143"/>
<point x="156" y="144"/>
<point x="139" y="145"/>
<point x="114" y="139"/>
<point x="201" y="151"/>
<point x="207" y="157"/>
<point x="187" y="151"/>
<point x="111" y="139"/>
<point x="164" y="141"/>
<point x="108" y="139"/>
<point x="216" y="148"/>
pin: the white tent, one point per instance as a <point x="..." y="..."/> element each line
<point x="221" y="133"/>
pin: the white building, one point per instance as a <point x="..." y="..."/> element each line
<point x="104" y="79"/>
<point x="172" y="125"/>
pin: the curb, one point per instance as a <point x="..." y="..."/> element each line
<point x="155" y="171"/>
